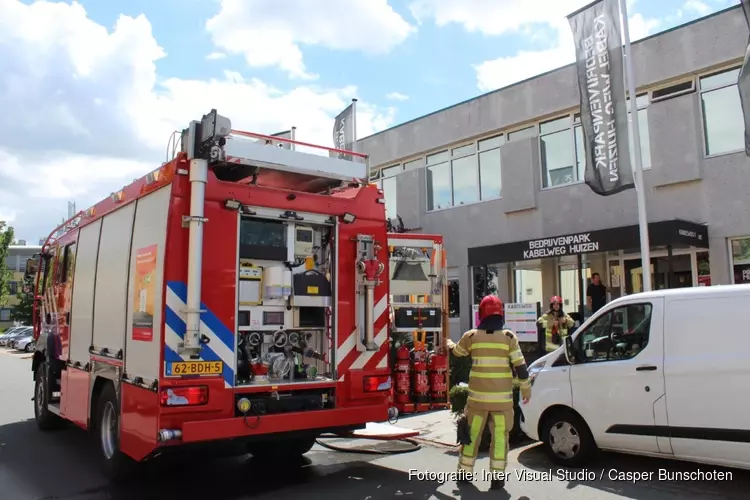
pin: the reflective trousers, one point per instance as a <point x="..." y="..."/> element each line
<point x="500" y="427"/>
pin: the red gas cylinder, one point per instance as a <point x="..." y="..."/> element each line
<point x="401" y="370"/>
<point x="420" y="381"/>
<point x="437" y="365"/>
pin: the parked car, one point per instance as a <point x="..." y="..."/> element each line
<point x="6" y="339"/>
<point x="653" y="374"/>
<point x="25" y="343"/>
<point x="10" y="330"/>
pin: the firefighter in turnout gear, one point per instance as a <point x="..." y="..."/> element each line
<point x="495" y="356"/>
<point x="556" y="324"/>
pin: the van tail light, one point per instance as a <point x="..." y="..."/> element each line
<point x="184" y="396"/>
<point x="377" y="383"/>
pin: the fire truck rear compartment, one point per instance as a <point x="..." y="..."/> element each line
<point x="285" y="295"/>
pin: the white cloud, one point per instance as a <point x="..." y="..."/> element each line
<point x="83" y="114"/>
<point x="496" y="18"/>
<point x="397" y="96"/>
<point x="216" y="55"/>
<point x="269" y="35"/>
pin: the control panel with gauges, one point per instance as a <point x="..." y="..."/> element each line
<point x="285" y="294"/>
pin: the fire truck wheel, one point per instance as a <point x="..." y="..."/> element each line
<point x="115" y="464"/>
<point x="282" y="449"/>
<point x="45" y="419"/>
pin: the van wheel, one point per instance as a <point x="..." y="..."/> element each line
<point x="115" y="465"/>
<point x="567" y="439"/>
<point x="45" y="419"/>
<point x="282" y="449"/>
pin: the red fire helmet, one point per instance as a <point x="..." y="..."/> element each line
<point x="556" y="299"/>
<point x="489" y="306"/>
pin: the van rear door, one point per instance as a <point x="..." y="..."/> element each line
<point x="708" y="377"/>
<point x="618" y="384"/>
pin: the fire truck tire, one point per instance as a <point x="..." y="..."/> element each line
<point x="282" y="449"/>
<point x="115" y="465"/>
<point x="45" y="419"/>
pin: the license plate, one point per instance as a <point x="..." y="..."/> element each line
<point x="178" y="368"/>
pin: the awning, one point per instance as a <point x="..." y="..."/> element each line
<point x="675" y="232"/>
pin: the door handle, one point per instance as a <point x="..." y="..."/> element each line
<point x="645" y="368"/>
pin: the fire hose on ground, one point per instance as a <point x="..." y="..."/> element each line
<point x="393" y="418"/>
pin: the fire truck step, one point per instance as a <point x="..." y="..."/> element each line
<point x="54" y="408"/>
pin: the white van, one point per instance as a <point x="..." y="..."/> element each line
<point x="664" y="374"/>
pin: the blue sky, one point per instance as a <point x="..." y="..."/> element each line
<point x="92" y="90"/>
<point x="433" y="66"/>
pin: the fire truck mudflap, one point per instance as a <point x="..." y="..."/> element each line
<point x="238" y="292"/>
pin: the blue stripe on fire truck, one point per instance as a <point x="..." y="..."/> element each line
<point x="221" y="345"/>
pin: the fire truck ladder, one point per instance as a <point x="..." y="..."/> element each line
<point x="235" y="154"/>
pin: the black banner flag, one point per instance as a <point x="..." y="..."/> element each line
<point x="601" y="83"/>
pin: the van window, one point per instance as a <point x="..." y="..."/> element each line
<point x="619" y="334"/>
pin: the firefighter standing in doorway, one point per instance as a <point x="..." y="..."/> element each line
<point x="556" y="324"/>
<point x="495" y="356"/>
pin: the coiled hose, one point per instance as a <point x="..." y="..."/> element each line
<point x="415" y="446"/>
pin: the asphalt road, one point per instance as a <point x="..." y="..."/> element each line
<point x="61" y="465"/>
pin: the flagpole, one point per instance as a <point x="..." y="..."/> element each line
<point x="354" y="124"/>
<point x="640" y="189"/>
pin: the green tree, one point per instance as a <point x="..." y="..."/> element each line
<point x="24" y="311"/>
<point x="6" y="238"/>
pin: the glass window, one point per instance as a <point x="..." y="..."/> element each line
<point x="723" y="122"/>
<point x="617" y="334"/>
<point x="522" y="134"/>
<point x="375" y="175"/>
<point x="4" y="314"/>
<point x="580" y="153"/>
<point x="454" y="299"/>
<point x="490" y="181"/>
<point x="390" y="193"/>
<point x="558" y="154"/>
<point x="740" y="249"/>
<point x="436" y="158"/>
<point x="642" y="102"/>
<point x="465" y="180"/>
<point x="13" y="288"/>
<point x="439" y="186"/>
<point x="414" y="164"/>
<point x="390" y="171"/>
<point x="464" y="150"/>
<point x="491" y="142"/>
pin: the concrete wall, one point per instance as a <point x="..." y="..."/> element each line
<point x="682" y="183"/>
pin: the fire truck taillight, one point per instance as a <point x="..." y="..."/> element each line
<point x="377" y="383"/>
<point x="184" y="396"/>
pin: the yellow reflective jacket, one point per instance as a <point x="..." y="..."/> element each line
<point x="547" y="321"/>
<point x="491" y="376"/>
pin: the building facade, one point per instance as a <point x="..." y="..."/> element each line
<point x="501" y="178"/>
<point x="16" y="264"/>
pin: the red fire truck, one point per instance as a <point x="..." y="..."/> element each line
<point x="238" y="293"/>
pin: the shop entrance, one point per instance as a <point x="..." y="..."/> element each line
<point x="666" y="273"/>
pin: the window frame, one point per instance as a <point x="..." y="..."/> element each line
<point x="731" y="255"/>
<point x="571" y="129"/>
<point x="700" y="91"/>
<point x="457" y="283"/>
<point x="583" y="360"/>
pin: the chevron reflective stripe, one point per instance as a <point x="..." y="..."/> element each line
<point x="221" y="338"/>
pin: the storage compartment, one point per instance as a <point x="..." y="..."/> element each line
<point x="309" y="317"/>
<point x="265" y="404"/>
